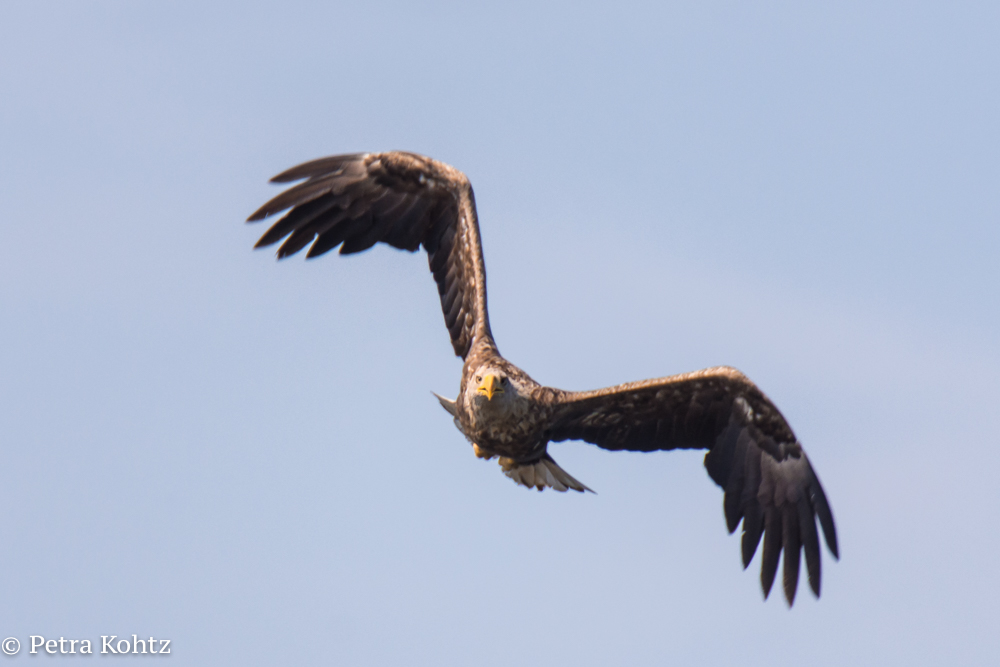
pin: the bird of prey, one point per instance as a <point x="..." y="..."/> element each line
<point x="407" y="200"/>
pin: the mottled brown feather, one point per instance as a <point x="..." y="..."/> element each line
<point x="402" y="199"/>
<point x="752" y="454"/>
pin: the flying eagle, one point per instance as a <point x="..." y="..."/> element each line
<point x="407" y="200"/>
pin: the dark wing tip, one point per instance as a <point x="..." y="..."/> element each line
<point x="753" y="528"/>
<point x="823" y="512"/>
<point x="327" y="166"/>
<point x="772" y="549"/>
<point x="259" y="214"/>
<point x="792" y="547"/>
<point x="276" y="204"/>
<point x="313" y="167"/>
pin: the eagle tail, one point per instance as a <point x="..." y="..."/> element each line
<point x="540" y="474"/>
<point x="448" y="405"/>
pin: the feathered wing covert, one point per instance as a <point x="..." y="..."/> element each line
<point x="753" y="455"/>
<point x="402" y="199"/>
<point x="408" y="201"/>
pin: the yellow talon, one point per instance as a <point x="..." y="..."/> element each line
<point x="482" y="453"/>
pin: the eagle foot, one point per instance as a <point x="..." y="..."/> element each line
<point x="482" y="452"/>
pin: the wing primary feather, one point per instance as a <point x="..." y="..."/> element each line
<point x="299" y="239"/>
<point x="330" y="239"/>
<point x="822" y="507"/>
<point x="733" y="499"/>
<point x="772" y="549"/>
<point x="321" y="166"/>
<point x="295" y="196"/>
<point x="753" y="526"/>
<point x="792" y="547"/>
<point x="298" y="217"/>
<point x="753" y="514"/>
<point x="810" y="543"/>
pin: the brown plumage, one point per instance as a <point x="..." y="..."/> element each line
<point x="407" y="200"/>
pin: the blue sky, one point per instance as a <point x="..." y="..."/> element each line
<point x="244" y="456"/>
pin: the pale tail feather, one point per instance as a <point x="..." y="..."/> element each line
<point x="448" y="405"/>
<point x="541" y="474"/>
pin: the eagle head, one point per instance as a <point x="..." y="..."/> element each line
<point x="491" y="384"/>
<point x="492" y="390"/>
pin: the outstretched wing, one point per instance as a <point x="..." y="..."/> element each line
<point x="753" y="455"/>
<point x="402" y="199"/>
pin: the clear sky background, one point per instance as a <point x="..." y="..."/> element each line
<point x="244" y="456"/>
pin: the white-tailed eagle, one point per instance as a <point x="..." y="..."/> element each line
<point x="407" y="200"/>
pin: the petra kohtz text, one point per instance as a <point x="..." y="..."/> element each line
<point x="109" y="645"/>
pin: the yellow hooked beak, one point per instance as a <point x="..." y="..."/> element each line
<point x="490" y="385"/>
